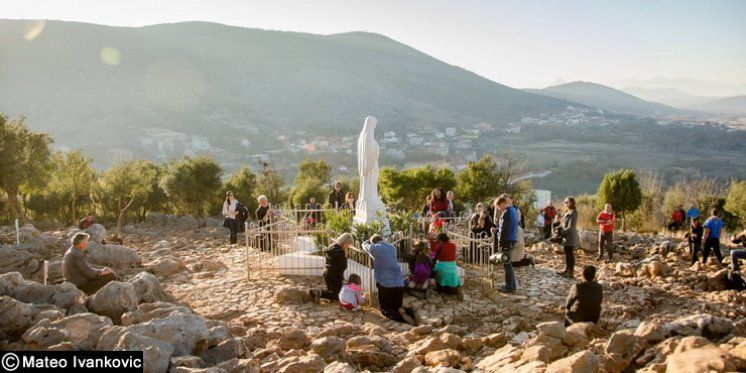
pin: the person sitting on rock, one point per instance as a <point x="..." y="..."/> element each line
<point x="336" y="264"/>
<point x="86" y="222"/>
<point x="351" y="296"/>
<point x="77" y="271"/>
<point x="389" y="280"/>
<point x="735" y="255"/>
<point x="584" y="300"/>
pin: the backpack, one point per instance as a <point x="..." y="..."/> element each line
<point x="242" y="213"/>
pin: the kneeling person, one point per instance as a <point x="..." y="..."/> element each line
<point x="584" y="300"/>
<point x="76" y="270"/>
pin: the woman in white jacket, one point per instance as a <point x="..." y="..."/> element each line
<point x="229" y="212"/>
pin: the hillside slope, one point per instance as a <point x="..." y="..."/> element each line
<point x="606" y="98"/>
<point x="206" y="78"/>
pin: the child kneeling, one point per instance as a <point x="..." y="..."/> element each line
<point x="351" y="296"/>
<point x="420" y="270"/>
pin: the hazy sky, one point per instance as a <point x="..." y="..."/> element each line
<point x="522" y="43"/>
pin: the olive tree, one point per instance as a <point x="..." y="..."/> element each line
<point x="24" y="161"/>
<point x="622" y="190"/>
<point x="123" y="185"/>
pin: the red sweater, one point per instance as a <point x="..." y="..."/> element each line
<point x="606" y="221"/>
<point x="447" y="254"/>
<point x="437" y="206"/>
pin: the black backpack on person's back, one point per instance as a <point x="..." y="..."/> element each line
<point x="242" y="213"/>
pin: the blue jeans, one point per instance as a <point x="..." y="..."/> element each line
<point x="508" y="266"/>
<point x="734" y="256"/>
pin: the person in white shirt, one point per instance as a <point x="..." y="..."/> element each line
<point x="229" y="212"/>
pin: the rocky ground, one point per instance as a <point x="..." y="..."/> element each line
<point x="184" y="298"/>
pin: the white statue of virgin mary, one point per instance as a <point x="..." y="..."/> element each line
<point x="369" y="204"/>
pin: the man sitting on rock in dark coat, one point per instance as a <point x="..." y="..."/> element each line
<point x="76" y="270"/>
<point x="584" y="300"/>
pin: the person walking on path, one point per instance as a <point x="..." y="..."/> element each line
<point x="77" y="271"/>
<point x="606" y="220"/>
<point x="713" y="227"/>
<point x="568" y="231"/>
<point x="695" y="239"/>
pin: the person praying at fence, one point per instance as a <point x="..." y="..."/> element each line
<point x="351" y="296"/>
<point x="263" y="217"/>
<point x="481" y="232"/>
<point x="418" y="281"/>
<point x="334" y="268"/>
<point x="77" y="271"/>
<point x="443" y="254"/>
<point x="389" y="281"/>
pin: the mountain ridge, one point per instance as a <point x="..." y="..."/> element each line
<point x="606" y="98"/>
<point x="179" y="75"/>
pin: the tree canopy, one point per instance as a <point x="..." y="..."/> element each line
<point x="24" y="160"/>
<point x="622" y="190"/>
<point x="189" y="182"/>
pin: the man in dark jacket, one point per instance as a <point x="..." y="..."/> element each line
<point x="76" y="270"/>
<point x="507" y="236"/>
<point x="337" y="197"/>
<point x="584" y="300"/>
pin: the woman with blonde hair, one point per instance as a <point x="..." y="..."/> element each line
<point x="334" y="268"/>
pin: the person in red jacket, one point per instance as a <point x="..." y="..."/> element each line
<point x="677" y="218"/>
<point x="606" y="220"/>
<point x="549" y="213"/>
<point x="438" y="205"/>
